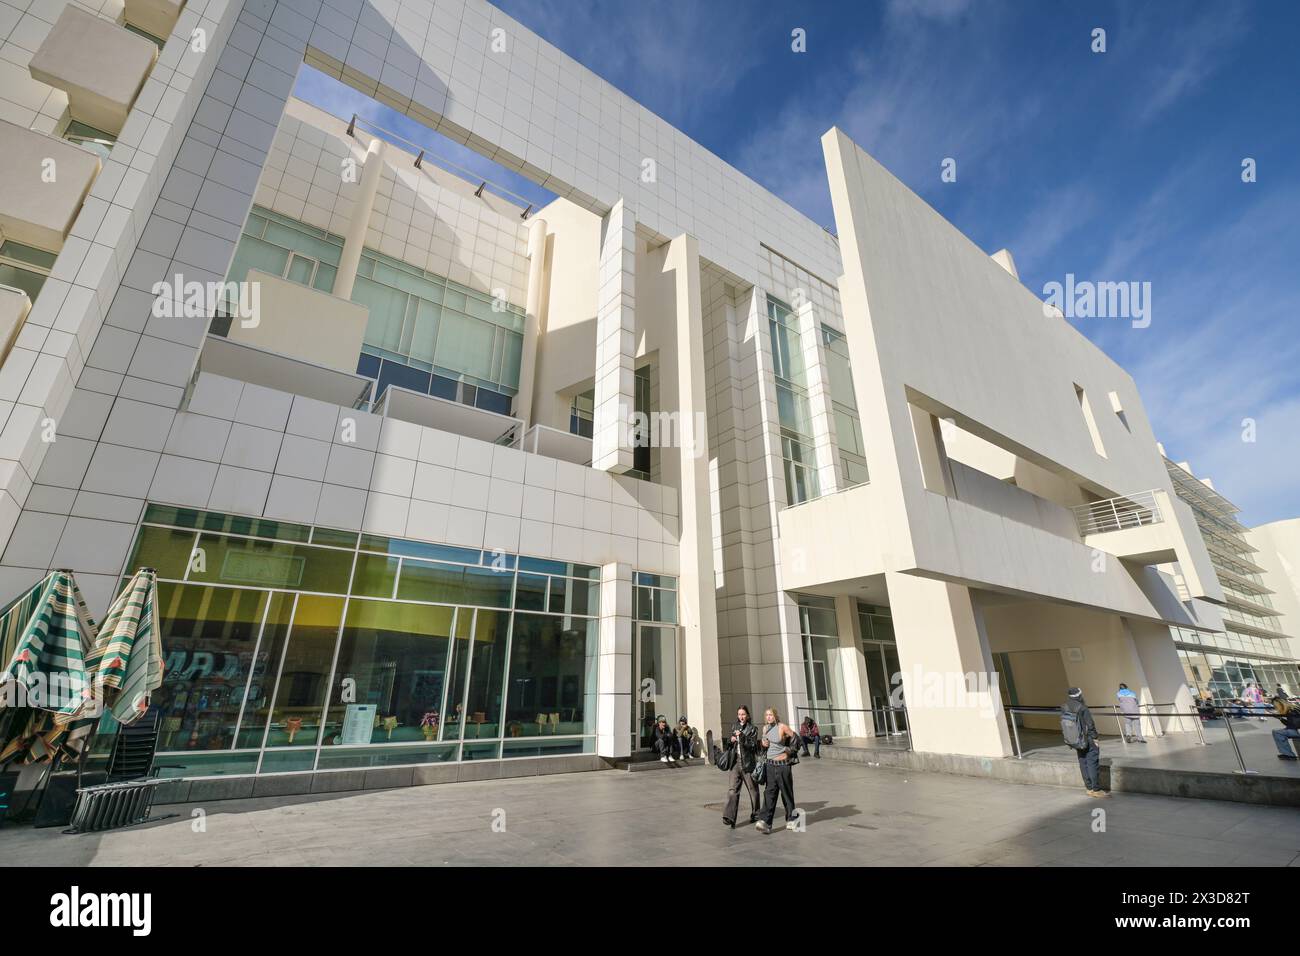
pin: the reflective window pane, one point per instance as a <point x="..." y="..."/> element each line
<point x="209" y="638"/>
<point x="389" y="680"/>
<point x="300" y="691"/>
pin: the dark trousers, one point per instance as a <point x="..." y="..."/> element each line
<point x="665" y="747"/>
<point x="816" y="741"/>
<point x="685" y="746"/>
<point x="780" y="780"/>
<point x="1090" y="766"/>
<point x="735" y="779"/>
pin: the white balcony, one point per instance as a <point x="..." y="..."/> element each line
<point x="98" y="64"/>
<point x="43" y="183"/>
<point x="296" y="320"/>
<point x="285" y="373"/>
<point x="448" y="416"/>
<point x="553" y="443"/>
<point x="154" y="17"/>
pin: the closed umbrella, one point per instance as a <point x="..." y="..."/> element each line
<point x="126" y="661"/>
<point x="47" y="633"/>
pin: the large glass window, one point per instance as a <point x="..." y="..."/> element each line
<point x="844" y="407"/>
<point x="424" y="332"/>
<point x="290" y="647"/>
<point x="552" y="682"/>
<point x="304" y="672"/>
<point x="793" y="409"/>
<point x="391" y="674"/>
<point x="211" y="660"/>
<point x="24" y="267"/>
<point x="822" y="669"/>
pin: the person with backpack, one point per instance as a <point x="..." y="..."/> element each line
<point x="742" y="751"/>
<point x="1289" y="714"/>
<point x="1131" y="714"/>
<point x="1080" y="733"/>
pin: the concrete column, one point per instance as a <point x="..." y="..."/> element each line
<point x="853" y="666"/>
<point x="615" y="387"/>
<point x="941" y="641"/>
<point x="362" y="207"/>
<point x="614" y="666"/>
<point x="533" y="305"/>
<point x="685" y="463"/>
<point x="1163" y="668"/>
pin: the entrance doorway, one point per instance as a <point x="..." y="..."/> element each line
<point x="882" y="665"/>
<point x="658" y="687"/>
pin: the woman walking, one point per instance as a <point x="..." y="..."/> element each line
<point x="780" y="744"/>
<point x="744" y="737"/>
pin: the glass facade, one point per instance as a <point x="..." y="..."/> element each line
<point x="793" y="409"/>
<point x="1251" y="646"/>
<point x="844" y="406"/>
<point x="880" y="654"/>
<point x="425" y="332"/>
<point x="292" y="648"/>
<point x="1222" y="673"/>
<point x="823" y="673"/>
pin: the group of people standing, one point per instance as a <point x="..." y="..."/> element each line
<point x="769" y="753"/>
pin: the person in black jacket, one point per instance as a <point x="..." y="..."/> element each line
<point x="1089" y="755"/>
<point x="665" y="741"/>
<point x="1289" y="714"/>
<point x="744" y="737"/>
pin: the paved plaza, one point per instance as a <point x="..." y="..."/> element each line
<point x="857" y="815"/>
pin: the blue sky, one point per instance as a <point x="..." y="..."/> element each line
<point x="1115" y="166"/>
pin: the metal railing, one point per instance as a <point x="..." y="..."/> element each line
<point x="454" y="168"/>
<point x="1116" y="514"/>
<point x="895" y="719"/>
<point x="1198" y="718"/>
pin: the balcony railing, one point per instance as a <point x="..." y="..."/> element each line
<point x="1117" y="514"/>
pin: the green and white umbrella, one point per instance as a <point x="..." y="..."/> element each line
<point x="45" y="635"/>
<point x="126" y="663"/>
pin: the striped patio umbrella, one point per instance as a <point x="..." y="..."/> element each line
<point x="126" y="661"/>
<point x="45" y="635"/>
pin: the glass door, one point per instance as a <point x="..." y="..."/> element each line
<point x="656" y="690"/>
<point x="882" y="665"/>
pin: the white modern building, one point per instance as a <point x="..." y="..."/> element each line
<point x="1257" y="643"/>
<point x="452" y="479"/>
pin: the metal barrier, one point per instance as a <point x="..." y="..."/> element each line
<point x="1197" y="716"/>
<point x="112" y="805"/>
<point x="891" y="717"/>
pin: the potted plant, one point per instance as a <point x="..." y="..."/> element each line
<point x="429" y="724"/>
<point x="389" y="724"/>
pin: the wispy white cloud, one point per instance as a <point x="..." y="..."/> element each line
<point x="1175" y="57"/>
<point x="891" y="100"/>
<point x="1222" y="346"/>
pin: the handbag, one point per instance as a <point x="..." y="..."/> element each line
<point x="726" y="759"/>
<point x="759" y="773"/>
